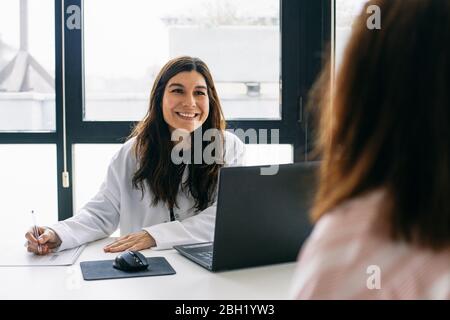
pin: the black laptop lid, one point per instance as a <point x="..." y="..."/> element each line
<point x="262" y="219"/>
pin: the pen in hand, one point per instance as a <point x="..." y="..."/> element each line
<point x="36" y="230"/>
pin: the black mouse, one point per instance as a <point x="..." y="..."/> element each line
<point x="130" y="261"/>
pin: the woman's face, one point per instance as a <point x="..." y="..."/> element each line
<point x="185" y="102"/>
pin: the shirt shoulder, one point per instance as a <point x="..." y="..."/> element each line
<point x="124" y="159"/>
<point x="126" y="149"/>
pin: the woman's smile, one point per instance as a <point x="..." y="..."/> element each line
<point x="189" y="116"/>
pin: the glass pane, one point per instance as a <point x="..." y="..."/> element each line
<point x="91" y="163"/>
<point x="125" y="47"/>
<point x="267" y="154"/>
<point x="27" y="182"/>
<point x="346" y="12"/>
<point x="27" y="65"/>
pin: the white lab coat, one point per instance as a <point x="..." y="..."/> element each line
<point x="117" y="203"/>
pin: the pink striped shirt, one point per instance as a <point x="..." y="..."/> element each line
<point x="347" y="258"/>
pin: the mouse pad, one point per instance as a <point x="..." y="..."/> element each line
<point x="102" y="270"/>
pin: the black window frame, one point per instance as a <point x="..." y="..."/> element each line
<point x="305" y="27"/>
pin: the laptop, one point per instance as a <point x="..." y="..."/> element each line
<point x="260" y="219"/>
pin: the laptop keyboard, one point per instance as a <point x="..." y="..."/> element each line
<point x="200" y="252"/>
<point x="205" y="256"/>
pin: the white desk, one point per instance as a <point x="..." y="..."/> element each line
<point x="190" y="282"/>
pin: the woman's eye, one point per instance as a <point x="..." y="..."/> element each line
<point x="200" y="93"/>
<point x="177" y="90"/>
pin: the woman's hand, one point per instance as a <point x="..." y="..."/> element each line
<point x="46" y="242"/>
<point x="133" y="242"/>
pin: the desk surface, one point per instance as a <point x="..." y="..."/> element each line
<point x="190" y="282"/>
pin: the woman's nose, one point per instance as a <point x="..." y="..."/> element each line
<point x="189" y="101"/>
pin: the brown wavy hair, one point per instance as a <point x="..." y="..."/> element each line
<point x="153" y="144"/>
<point x="387" y="125"/>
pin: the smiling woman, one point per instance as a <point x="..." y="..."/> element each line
<point x="156" y="202"/>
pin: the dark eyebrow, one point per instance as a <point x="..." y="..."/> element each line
<point x="176" y="85"/>
<point x="180" y="85"/>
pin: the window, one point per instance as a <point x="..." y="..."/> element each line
<point x="91" y="162"/>
<point x="268" y="154"/>
<point x="27" y="182"/>
<point x="110" y="60"/>
<point x="90" y="166"/>
<point x="125" y="47"/>
<point x="27" y="65"/>
<point x="346" y="12"/>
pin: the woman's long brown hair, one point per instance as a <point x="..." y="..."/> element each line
<point x="153" y="144"/>
<point x="389" y="125"/>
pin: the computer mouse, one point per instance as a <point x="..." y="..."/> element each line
<point x="130" y="261"/>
